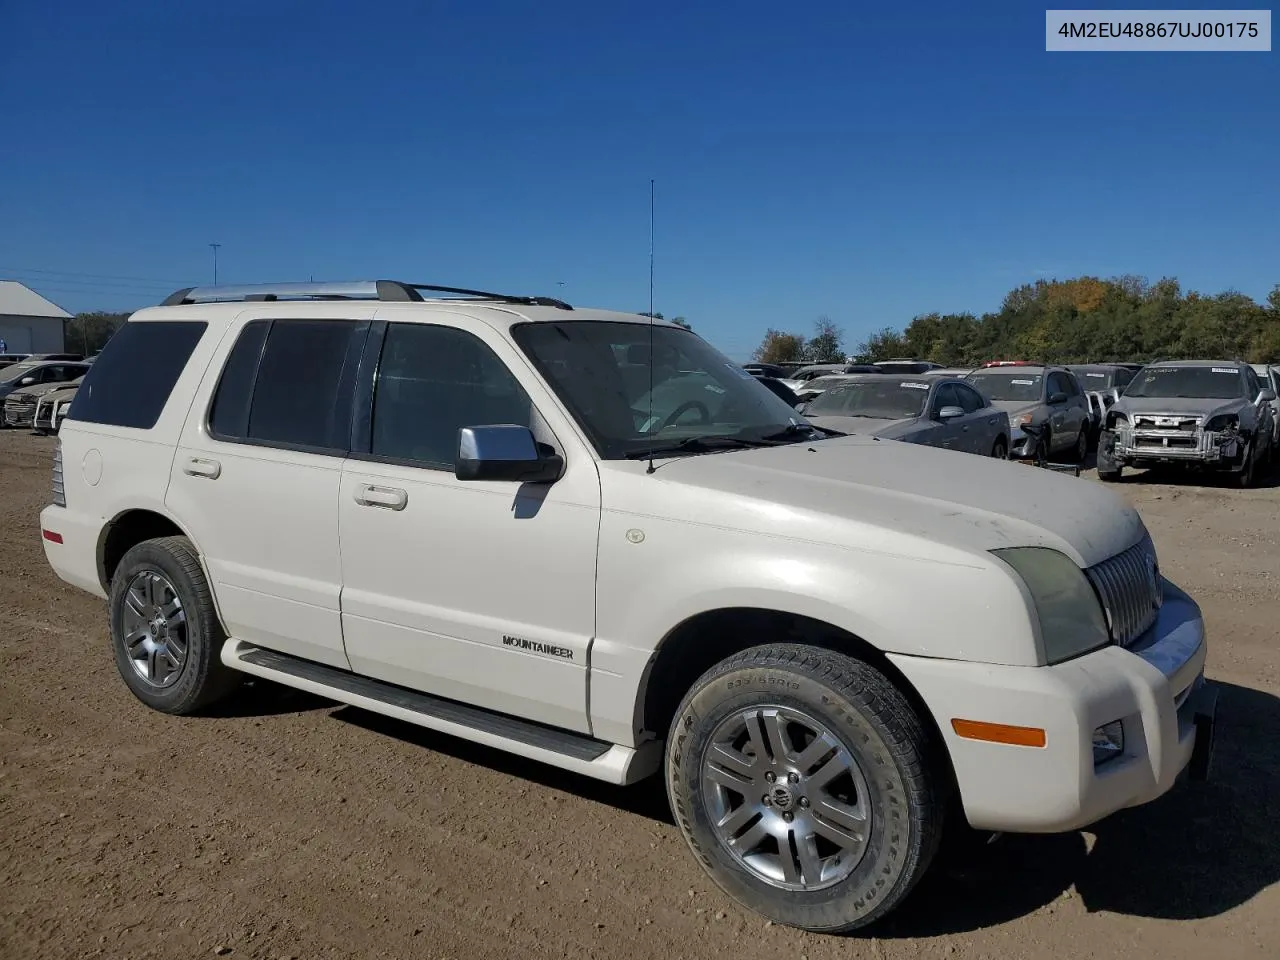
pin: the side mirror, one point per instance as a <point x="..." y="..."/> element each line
<point x="26" y="381"/>
<point x="504" y="452"/>
<point x="950" y="413"/>
<point x="1057" y="398"/>
<point x="1266" y="395"/>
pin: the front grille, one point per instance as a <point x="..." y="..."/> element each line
<point x="1130" y="588"/>
<point x="1166" y="422"/>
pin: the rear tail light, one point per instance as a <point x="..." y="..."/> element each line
<point x="59" y="493"/>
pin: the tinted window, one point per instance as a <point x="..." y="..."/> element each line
<point x="1008" y="386"/>
<point x="1252" y="380"/>
<point x="945" y="396"/>
<point x="970" y="399"/>
<point x="306" y="375"/>
<point x="881" y="398"/>
<point x="432" y="381"/>
<point x="229" y="412"/>
<point x="1058" y="384"/>
<point x="130" y="382"/>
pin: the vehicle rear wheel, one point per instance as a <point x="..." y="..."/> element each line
<point x="804" y="783"/>
<point x="164" y="630"/>
<point x="1001" y="450"/>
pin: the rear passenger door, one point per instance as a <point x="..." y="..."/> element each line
<point x="256" y="474"/>
<point x="482" y="592"/>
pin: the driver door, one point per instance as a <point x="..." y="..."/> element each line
<point x="951" y="434"/>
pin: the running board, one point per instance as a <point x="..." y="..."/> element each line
<point x="610" y="762"/>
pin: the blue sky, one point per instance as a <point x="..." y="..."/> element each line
<point x="868" y="163"/>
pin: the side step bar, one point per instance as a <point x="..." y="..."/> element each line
<point x="610" y="762"/>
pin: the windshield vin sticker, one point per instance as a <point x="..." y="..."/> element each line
<point x="915" y="386"/>
<point x="1024" y="383"/>
<point x="1225" y="370"/>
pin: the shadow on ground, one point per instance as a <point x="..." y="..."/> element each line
<point x="1199" y="851"/>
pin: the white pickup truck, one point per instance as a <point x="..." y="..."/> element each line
<point x="591" y="539"/>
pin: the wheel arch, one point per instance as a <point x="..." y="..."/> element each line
<point x="704" y="639"/>
<point x="130" y="527"/>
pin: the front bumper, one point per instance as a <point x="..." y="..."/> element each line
<point x="1211" y="448"/>
<point x="19" y="414"/>
<point x="1156" y="689"/>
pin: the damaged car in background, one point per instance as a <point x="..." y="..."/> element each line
<point x="52" y="403"/>
<point x="1211" y="415"/>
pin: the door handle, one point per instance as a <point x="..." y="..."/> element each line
<point x="392" y="498"/>
<point x="197" y="467"/>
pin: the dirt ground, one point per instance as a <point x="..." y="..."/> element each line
<point x="288" y="826"/>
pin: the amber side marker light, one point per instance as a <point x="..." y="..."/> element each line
<point x="999" y="733"/>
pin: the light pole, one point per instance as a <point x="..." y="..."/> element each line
<point x="215" y="247"/>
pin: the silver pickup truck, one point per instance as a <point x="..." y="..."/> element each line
<point x="1211" y="414"/>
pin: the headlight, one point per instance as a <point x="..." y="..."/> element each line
<point x="1223" y="421"/>
<point x="1071" y="618"/>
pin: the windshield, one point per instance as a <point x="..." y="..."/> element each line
<point x="601" y="372"/>
<point x="823" y="383"/>
<point x="1216" y="383"/>
<point x="1005" y="386"/>
<point x="883" y="399"/>
<point x="16" y="372"/>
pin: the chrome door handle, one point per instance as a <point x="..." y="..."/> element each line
<point x="392" y="498"/>
<point x="196" y="467"/>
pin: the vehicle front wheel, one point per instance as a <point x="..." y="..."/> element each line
<point x="1247" y="475"/>
<point x="1000" y="450"/>
<point x="1082" y="446"/>
<point x="164" y="630"/>
<point x="804" y="783"/>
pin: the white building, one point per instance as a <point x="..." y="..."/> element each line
<point x="28" y="322"/>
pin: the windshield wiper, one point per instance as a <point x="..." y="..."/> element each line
<point x="795" y="429"/>
<point x="697" y="445"/>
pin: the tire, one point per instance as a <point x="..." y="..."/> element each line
<point x="1247" y="475"/>
<point x="1000" y="450"/>
<point x="893" y="781"/>
<point x="1110" y="476"/>
<point x="183" y="672"/>
<point x="1082" y="446"/>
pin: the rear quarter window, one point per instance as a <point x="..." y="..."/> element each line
<point x="130" y="382"/>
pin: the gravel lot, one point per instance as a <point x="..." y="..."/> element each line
<point x="288" y="826"/>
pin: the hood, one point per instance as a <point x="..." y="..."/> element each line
<point x="866" y="426"/>
<point x="1015" y="407"/>
<point x="1191" y="406"/>
<point x="874" y="494"/>
<point x="39" y="389"/>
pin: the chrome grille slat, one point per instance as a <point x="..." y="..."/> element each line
<point x="1128" y="595"/>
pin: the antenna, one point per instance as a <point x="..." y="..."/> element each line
<point x="215" y="247"/>
<point x="650" y="470"/>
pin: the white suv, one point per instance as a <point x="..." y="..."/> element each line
<point x="591" y="539"/>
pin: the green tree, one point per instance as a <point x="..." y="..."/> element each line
<point x="780" y="347"/>
<point x="827" y="343"/>
<point x="89" y="332"/>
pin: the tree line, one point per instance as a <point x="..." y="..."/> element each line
<point x="1083" y="320"/>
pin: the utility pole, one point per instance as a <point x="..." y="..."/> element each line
<point x="215" y="247"/>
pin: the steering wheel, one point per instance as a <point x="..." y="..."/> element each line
<point x="682" y="409"/>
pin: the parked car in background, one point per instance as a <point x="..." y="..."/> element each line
<point x="1269" y="376"/>
<point x="832" y="649"/>
<point x="1049" y="396"/>
<point x="811" y="372"/>
<point x="9" y="359"/>
<point x="764" y="370"/>
<point x="1101" y="383"/>
<point x="957" y="372"/>
<point x="1209" y="414"/>
<point x="52" y="406"/>
<point x="779" y="388"/>
<point x="20" y="406"/>
<point x="934" y="411"/>
<point x="32" y="373"/>
<point x="906" y="365"/>
<point x="809" y="389"/>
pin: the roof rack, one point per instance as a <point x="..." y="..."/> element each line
<point x="385" y="290"/>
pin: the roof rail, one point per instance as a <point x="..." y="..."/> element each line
<point x="385" y="290"/>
